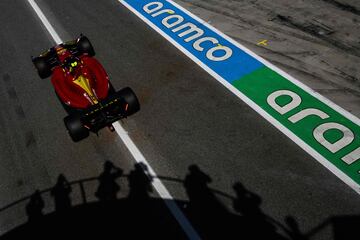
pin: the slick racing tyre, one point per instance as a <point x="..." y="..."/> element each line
<point x="43" y="67"/>
<point x="76" y="129"/>
<point x="130" y="98"/>
<point x="84" y="46"/>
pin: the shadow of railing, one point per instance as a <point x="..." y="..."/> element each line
<point x="48" y="190"/>
<point x="85" y="195"/>
<point x="203" y="208"/>
<point x="84" y="198"/>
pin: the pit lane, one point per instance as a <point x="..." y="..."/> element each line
<point x="187" y="118"/>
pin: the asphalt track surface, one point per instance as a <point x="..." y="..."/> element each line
<point x="186" y="118"/>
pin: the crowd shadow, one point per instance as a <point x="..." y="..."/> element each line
<point x="61" y="194"/>
<point x="141" y="214"/>
<point x="108" y="187"/>
<point x="34" y="209"/>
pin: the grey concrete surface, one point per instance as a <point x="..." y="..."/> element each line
<point x="187" y="117"/>
<point x="316" y="41"/>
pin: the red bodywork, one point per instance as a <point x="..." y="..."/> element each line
<point x="71" y="93"/>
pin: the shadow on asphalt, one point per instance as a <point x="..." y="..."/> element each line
<point x="139" y="215"/>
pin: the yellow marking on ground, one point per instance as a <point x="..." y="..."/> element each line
<point x="263" y="42"/>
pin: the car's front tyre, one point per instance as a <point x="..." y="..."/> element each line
<point x="43" y="67"/>
<point x="84" y="46"/>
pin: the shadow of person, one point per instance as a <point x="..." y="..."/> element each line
<point x="61" y="194"/>
<point x="343" y="227"/>
<point x="108" y="187"/>
<point x="208" y="215"/>
<point x="293" y="229"/>
<point x="200" y="195"/>
<point x="139" y="181"/>
<point x="257" y="225"/>
<point x="196" y="187"/>
<point x="247" y="203"/>
<point x="34" y="207"/>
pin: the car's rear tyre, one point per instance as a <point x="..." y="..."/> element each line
<point x="43" y="67"/>
<point x="76" y="129"/>
<point x="130" y="98"/>
<point x="84" y="46"/>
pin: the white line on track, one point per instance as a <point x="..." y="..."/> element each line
<point x="158" y="185"/>
<point x="135" y="152"/>
<point x="44" y="20"/>
<point x="346" y="179"/>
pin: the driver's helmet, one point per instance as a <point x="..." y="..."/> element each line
<point x="71" y="63"/>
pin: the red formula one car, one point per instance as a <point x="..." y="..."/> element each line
<point x="84" y="89"/>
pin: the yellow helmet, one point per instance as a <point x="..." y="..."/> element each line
<point x="71" y="63"/>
